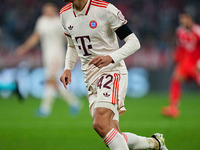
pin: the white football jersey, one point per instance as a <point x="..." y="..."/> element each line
<point x="93" y="33"/>
<point x="52" y="40"/>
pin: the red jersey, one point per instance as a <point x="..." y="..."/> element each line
<point x="188" y="44"/>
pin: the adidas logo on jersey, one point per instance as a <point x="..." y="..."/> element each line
<point x="70" y="27"/>
<point x="106" y="94"/>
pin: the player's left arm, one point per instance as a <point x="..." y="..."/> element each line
<point x="131" y="45"/>
<point x="119" y="25"/>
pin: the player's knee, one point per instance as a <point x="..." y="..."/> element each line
<point x="99" y="125"/>
<point x="102" y="120"/>
<point x="178" y="77"/>
<point x="51" y="82"/>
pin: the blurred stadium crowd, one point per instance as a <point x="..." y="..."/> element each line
<point x="153" y="21"/>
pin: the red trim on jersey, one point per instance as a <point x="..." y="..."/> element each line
<point x="100" y="2"/>
<point x="115" y="93"/>
<point x="67" y="34"/>
<point x="98" y="5"/>
<point x="74" y="13"/>
<point x="88" y="8"/>
<point x="65" y="8"/>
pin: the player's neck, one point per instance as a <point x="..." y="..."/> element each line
<point x="79" y="4"/>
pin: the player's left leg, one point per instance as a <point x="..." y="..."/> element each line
<point x="179" y="76"/>
<point x="48" y="98"/>
<point x="102" y="123"/>
<point x="73" y="101"/>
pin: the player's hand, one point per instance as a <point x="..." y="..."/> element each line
<point x="101" y="61"/>
<point x="66" y="78"/>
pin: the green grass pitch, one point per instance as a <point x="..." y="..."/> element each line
<point x="20" y="129"/>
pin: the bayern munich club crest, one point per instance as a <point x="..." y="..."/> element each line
<point x="93" y="24"/>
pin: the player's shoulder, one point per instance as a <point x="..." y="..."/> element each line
<point x="66" y="8"/>
<point x="196" y="29"/>
<point x="106" y="6"/>
<point x="197" y="26"/>
<point x="103" y="8"/>
<point x="99" y="3"/>
<point x="41" y="20"/>
<point x="180" y="30"/>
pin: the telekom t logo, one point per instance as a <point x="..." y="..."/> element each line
<point x="81" y="39"/>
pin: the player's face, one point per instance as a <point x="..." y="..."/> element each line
<point x="185" y="20"/>
<point x="49" y="11"/>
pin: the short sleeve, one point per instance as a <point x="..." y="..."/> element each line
<point x="38" y="26"/>
<point x="115" y="17"/>
<point x="63" y="26"/>
<point x="196" y="29"/>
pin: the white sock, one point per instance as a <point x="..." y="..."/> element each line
<point x="115" y="141"/>
<point x="47" y="101"/>
<point x="138" y="142"/>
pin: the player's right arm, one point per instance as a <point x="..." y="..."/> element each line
<point x="179" y="51"/>
<point x="32" y="41"/>
<point x="70" y="60"/>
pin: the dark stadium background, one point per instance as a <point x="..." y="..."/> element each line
<point x="154" y="22"/>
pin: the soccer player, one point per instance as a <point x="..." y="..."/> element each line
<point x="50" y="34"/>
<point x="91" y="27"/>
<point x="187" y="60"/>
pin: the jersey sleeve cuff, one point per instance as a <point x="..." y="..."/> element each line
<point x="69" y="66"/>
<point x="114" y="57"/>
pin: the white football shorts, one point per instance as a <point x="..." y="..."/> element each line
<point x="109" y="91"/>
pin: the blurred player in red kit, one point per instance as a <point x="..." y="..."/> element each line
<point x="187" y="59"/>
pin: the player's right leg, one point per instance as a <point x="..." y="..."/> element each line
<point x="139" y="142"/>
<point x="73" y="101"/>
<point x="175" y="93"/>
